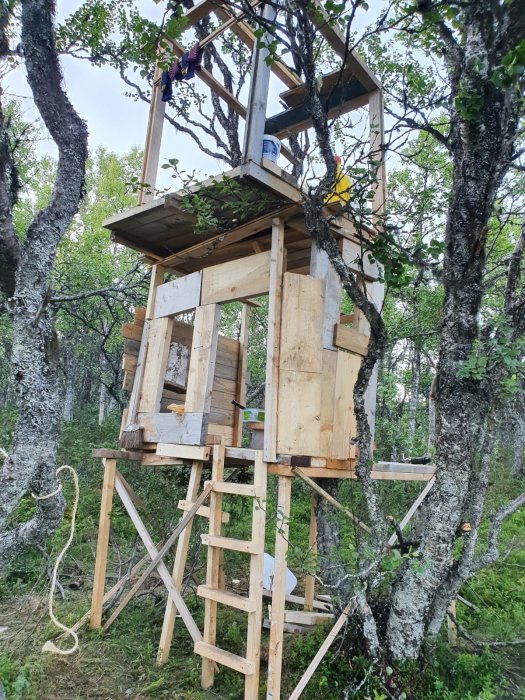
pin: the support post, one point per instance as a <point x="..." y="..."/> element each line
<point x="309" y="585"/>
<point x="273" y="341"/>
<point x="213" y="566"/>
<point x="99" y="578"/>
<point x="260" y="82"/>
<point x="178" y="568"/>
<point x="150" y="164"/>
<point x="275" y="655"/>
<point x="241" y="373"/>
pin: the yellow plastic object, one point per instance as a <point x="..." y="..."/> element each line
<point x="341" y="189"/>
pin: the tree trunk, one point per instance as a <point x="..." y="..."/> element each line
<point x="31" y="464"/>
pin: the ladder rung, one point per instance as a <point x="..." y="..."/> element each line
<point x="235" y="489"/>
<point x="226" y="658"/>
<point x="230" y="543"/>
<point x="204" y="511"/>
<point x="227" y="598"/>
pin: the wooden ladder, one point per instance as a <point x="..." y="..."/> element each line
<point x="213" y="593"/>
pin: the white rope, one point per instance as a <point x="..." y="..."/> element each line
<point x="49" y="645"/>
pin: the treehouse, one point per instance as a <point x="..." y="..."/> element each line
<point x="187" y="381"/>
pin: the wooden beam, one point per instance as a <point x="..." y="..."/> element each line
<point x="296" y="694"/>
<point x="161" y="567"/>
<point x="242" y="368"/>
<point x="179" y="565"/>
<point x="377" y="156"/>
<point x="258" y="97"/>
<point x="236" y="279"/>
<point x="273" y="340"/>
<point x="184" y="522"/>
<point x="309" y="583"/>
<point x="184" y="451"/>
<point x="202" y="359"/>
<point x="350" y="340"/>
<point x="275" y="652"/>
<point x="178" y="296"/>
<point x="324" y="494"/>
<point x="150" y="163"/>
<point x="99" y="576"/>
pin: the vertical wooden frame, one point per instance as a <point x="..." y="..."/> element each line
<point x="377" y="138"/>
<point x="150" y="163"/>
<point x="99" y="577"/>
<point x="309" y="584"/>
<point x="275" y="654"/>
<point x="241" y="373"/>
<point x="179" y="565"/>
<point x="273" y="340"/>
<point x="253" y="641"/>
<point x="213" y="566"/>
<point x="202" y="361"/>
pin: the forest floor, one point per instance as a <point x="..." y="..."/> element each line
<point x="121" y="663"/>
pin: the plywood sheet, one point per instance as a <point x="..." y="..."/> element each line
<point x="178" y="296"/>
<point x="301" y="327"/>
<point x="237" y="279"/>
<point x="299" y="418"/>
<point x="344" y="420"/>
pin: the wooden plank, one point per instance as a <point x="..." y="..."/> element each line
<point x="404" y="467"/>
<point x="156" y="279"/>
<point x="104" y="453"/>
<point x="184" y="429"/>
<point x="231" y="543"/>
<point x="159" y="337"/>
<point x="298" y="426"/>
<point x="132" y="331"/>
<point x="350" y="340"/>
<point x="243" y="453"/>
<point x="327" y="402"/>
<point x="183" y="523"/>
<point x="226" y="658"/>
<point x="302" y="617"/>
<point x="301" y="332"/>
<point x="322" y="268"/>
<point x="296" y="694"/>
<point x="275" y="651"/>
<point x="253" y="639"/>
<point x="213" y="567"/>
<point x="377" y="158"/>
<point x="357" y="259"/>
<point x="299" y="600"/>
<point x="258" y="96"/>
<point x="203" y="511"/>
<point x="179" y="565"/>
<point x="273" y="340"/>
<point x="330" y="499"/>
<point x="246" y="490"/>
<point x="202" y="359"/>
<point x="347" y="369"/>
<point x="242" y="367"/>
<point x="178" y="296"/>
<point x="309" y="583"/>
<point x="184" y="451"/>
<point x="99" y="576"/>
<point x="150" y="163"/>
<point x="161" y="567"/>
<point x="236" y="279"/>
<point x="232" y="600"/>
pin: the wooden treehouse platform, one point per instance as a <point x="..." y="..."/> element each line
<point x="187" y="381"/>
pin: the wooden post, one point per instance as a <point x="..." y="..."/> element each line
<point x="309" y="585"/>
<point x="275" y="654"/>
<point x="273" y="340"/>
<point x="377" y="138"/>
<point x="260" y="82"/>
<point x="99" y="578"/>
<point x="178" y="568"/>
<point x="253" y="641"/>
<point x="213" y="566"/>
<point x="150" y="164"/>
<point x="241" y="374"/>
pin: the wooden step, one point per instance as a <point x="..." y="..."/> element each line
<point x="236" y="489"/>
<point x="226" y="658"/>
<point x="204" y="511"/>
<point x="227" y="598"/>
<point x="245" y="546"/>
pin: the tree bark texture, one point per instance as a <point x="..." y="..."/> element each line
<point x="31" y="464"/>
<point x="482" y="138"/>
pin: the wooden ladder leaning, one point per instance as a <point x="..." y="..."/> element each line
<point x="213" y="593"/>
